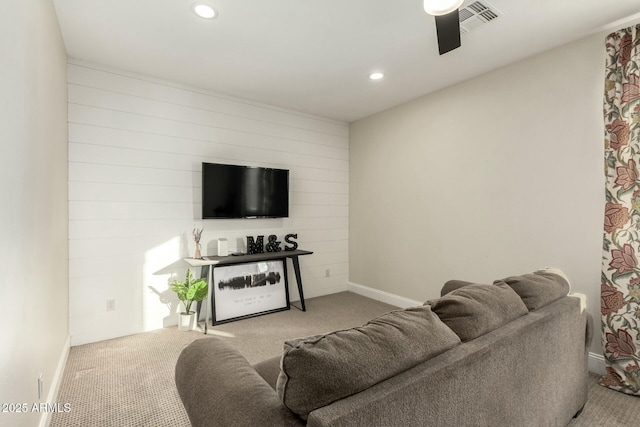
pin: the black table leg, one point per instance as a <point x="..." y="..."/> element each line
<point x="296" y="269"/>
<point x="204" y="274"/>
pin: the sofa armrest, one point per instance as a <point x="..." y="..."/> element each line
<point x="589" y="335"/>
<point x="583" y="307"/>
<point x="219" y="387"/>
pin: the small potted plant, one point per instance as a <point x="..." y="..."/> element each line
<point x="189" y="291"/>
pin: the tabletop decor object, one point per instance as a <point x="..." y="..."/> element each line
<point x="197" y="233"/>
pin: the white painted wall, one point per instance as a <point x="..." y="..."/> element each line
<point x="499" y="175"/>
<point x="135" y="151"/>
<point x="33" y="217"/>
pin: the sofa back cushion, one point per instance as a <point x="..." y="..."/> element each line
<point x="474" y="310"/>
<point x="539" y="288"/>
<point x="452" y="285"/>
<point x="318" y="370"/>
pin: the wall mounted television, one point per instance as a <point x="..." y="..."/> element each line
<point x="231" y="191"/>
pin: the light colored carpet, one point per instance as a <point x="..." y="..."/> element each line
<point x="129" y="381"/>
<point x="608" y="408"/>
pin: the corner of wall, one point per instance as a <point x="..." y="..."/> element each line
<point x="52" y="396"/>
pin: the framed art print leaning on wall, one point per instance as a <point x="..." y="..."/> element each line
<point x="249" y="289"/>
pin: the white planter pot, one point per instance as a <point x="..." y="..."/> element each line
<point x="186" y="322"/>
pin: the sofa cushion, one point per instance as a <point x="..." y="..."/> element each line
<point x="452" y="285"/>
<point x="318" y="370"/>
<point x="474" y="310"/>
<point x="269" y="369"/>
<point x="539" y="288"/>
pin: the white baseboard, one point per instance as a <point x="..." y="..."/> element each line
<point x="52" y="397"/>
<point x="596" y="364"/>
<point x="382" y="296"/>
<point x="313" y="293"/>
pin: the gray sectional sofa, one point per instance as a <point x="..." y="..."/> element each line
<point x="512" y="353"/>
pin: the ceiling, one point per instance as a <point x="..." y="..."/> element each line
<point x="315" y="56"/>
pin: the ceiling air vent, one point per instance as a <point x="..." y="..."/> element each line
<point x="477" y="14"/>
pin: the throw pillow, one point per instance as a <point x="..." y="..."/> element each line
<point x="474" y="310"/>
<point x="318" y="370"/>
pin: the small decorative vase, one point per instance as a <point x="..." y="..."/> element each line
<point x="186" y="321"/>
<point x="197" y="253"/>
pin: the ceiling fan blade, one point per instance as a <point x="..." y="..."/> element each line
<point x="448" y="29"/>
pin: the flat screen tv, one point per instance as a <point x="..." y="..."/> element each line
<point x="230" y="191"/>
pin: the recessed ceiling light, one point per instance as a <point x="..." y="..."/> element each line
<point x="205" y="11"/>
<point x="376" y="76"/>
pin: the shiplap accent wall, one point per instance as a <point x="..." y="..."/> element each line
<point x="136" y="145"/>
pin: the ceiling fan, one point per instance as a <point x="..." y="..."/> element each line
<point x="447" y="22"/>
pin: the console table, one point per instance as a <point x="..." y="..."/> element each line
<point x="209" y="263"/>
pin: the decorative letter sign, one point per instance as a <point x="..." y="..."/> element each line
<point x="256" y="247"/>
<point x="273" y="245"/>
<point x="294" y="245"/>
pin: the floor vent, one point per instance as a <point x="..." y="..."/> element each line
<point x="477" y="14"/>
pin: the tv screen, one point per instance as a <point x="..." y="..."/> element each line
<point x="230" y="191"/>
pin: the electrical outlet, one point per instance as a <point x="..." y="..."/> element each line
<point x="327" y="272"/>
<point x="40" y="386"/>
<point x="111" y="305"/>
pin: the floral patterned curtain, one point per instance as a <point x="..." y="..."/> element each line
<point x="620" y="289"/>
